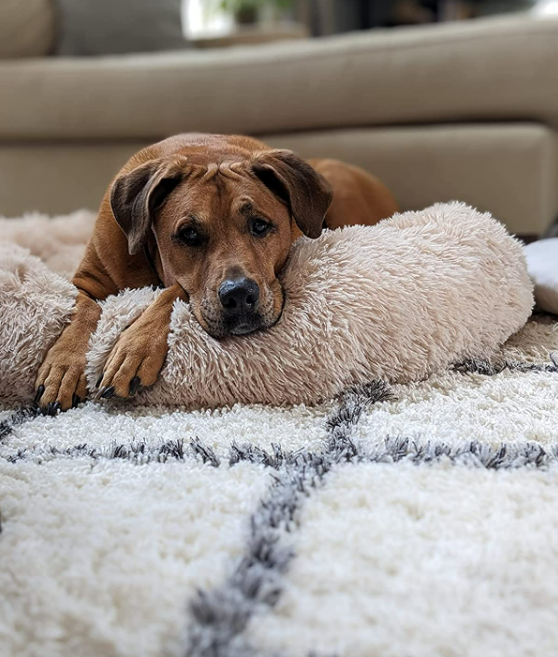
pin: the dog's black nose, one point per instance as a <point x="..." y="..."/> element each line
<point x="239" y="296"/>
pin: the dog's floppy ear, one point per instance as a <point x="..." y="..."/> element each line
<point x="307" y="193"/>
<point x="135" y="196"/>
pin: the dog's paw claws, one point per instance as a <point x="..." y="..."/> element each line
<point x="135" y="383"/>
<point x="51" y="408"/>
<point x="107" y="392"/>
<point x="38" y="395"/>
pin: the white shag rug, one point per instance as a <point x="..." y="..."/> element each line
<point x="413" y="520"/>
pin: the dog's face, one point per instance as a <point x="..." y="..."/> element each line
<point x="223" y="232"/>
<point x="225" y="240"/>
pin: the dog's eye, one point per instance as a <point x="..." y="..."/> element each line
<point x="190" y="236"/>
<point x="260" y="227"/>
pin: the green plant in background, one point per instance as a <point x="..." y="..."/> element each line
<point x="246" y="11"/>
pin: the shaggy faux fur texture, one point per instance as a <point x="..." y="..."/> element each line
<point x="35" y="305"/>
<point x="414" y="295"/>
<point x="412" y="519"/>
<point x="58" y="241"/>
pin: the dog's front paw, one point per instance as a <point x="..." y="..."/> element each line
<point x="61" y="382"/>
<point x="135" y="361"/>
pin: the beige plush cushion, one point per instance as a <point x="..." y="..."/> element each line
<point x="59" y="242"/>
<point x="397" y="301"/>
<point x="491" y="70"/>
<point x="26" y="29"/>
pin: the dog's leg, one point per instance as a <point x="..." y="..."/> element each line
<point x="61" y="383"/>
<point x="138" y="355"/>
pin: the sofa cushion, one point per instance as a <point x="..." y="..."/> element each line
<point x="542" y="263"/>
<point x="97" y="27"/>
<point x="479" y="70"/>
<point x="26" y="28"/>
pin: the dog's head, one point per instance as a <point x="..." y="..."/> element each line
<point x="223" y="231"/>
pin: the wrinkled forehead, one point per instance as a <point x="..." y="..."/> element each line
<point x="214" y="194"/>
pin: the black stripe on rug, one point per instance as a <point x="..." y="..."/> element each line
<point x="219" y="617"/>
<point x="394" y="450"/>
<point x="137" y="452"/>
<point x="17" y="418"/>
<point x="390" y="450"/>
<point x="483" y="366"/>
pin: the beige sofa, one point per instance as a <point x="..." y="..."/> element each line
<point x="466" y="111"/>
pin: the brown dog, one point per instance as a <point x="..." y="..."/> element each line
<point x="212" y="219"/>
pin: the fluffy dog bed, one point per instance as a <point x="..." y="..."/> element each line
<point x="414" y="295"/>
